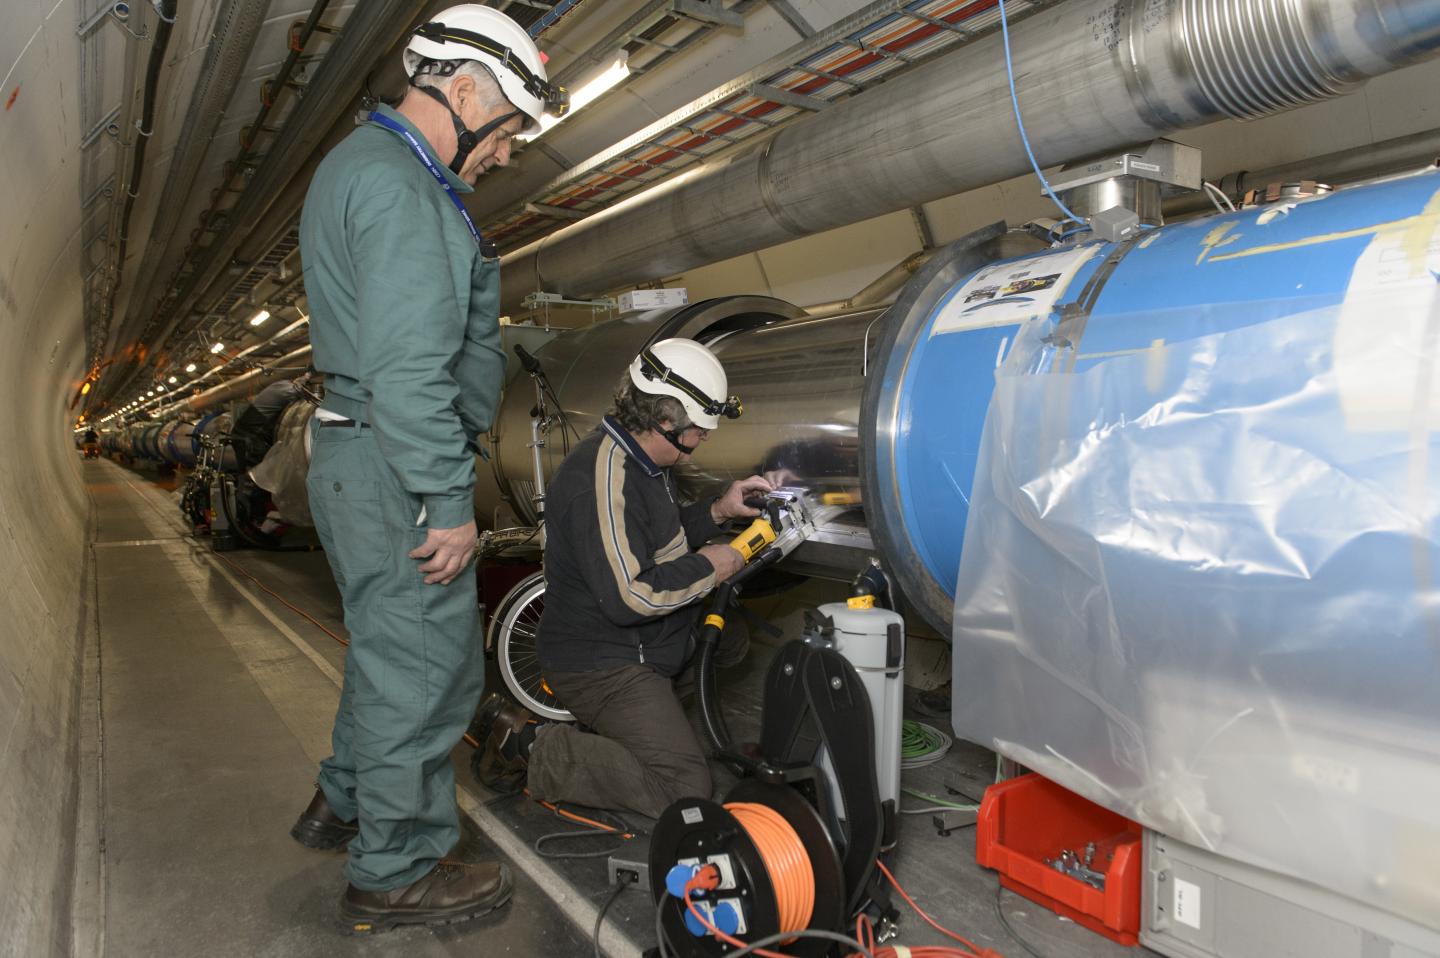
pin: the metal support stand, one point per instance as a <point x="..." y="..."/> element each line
<point x="543" y="301"/>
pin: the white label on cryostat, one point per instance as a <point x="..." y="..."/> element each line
<point x="1384" y="347"/>
<point x="1007" y="294"/>
<point x="1186" y="908"/>
<point x="691" y="815"/>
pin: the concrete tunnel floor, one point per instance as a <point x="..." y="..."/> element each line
<point x="215" y="704"/>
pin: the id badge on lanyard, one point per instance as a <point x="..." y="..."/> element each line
<point x="486" y="249"/>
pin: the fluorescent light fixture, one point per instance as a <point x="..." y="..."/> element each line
<point x="190" y="368"/>
<point x="160" y="387"/>
<point x="260" y="317"/>
<point x="588" y="93"/>
<point x="173" y="380"/>
<point x="218" y="347"/>
<point x="150" y="393"/>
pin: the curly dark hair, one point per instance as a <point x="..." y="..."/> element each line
<point x="639" y="411"/>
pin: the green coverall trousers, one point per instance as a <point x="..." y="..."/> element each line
<point x="413" y="673"/>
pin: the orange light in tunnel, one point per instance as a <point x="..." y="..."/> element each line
<point x="85" y="389"/>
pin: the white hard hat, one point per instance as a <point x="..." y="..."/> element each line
<point x="472" y="32"/>
<point x="690" y="372"/>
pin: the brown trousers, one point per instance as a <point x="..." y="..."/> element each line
<point x="641" y="755"/>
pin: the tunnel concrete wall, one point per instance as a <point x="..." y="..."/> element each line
<point x="43" y="506"/>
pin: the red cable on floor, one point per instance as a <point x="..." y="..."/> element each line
<point x="575" y="816"/>
<point x="974" y="948"/>
<point x="708" y="877"/>
<point x="282" y="600"/>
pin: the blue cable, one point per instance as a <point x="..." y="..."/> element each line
<point x="1020" y="124"/>
<point x="549" y="18"/>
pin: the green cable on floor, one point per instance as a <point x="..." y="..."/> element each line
<point x="921" y="744"/>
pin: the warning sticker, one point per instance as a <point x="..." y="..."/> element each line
<point x="1007" y="294"/>
<point x="1186" y="908"/>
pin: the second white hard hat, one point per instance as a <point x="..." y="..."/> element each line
<point x="690" y="372"/>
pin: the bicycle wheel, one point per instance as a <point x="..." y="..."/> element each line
<point x="514" y="631"/>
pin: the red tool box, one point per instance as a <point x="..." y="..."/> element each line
<point x="1055" y="848"/>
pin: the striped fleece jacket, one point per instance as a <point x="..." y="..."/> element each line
<point x="622" y="579"/>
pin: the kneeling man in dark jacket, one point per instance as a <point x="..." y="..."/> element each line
<point x="625" y="566"/>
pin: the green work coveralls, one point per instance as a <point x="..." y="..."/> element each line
<point x="403" y="321"/>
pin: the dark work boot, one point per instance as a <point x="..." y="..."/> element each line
<point x="319" y="827"/>
<point x="450" y="892"/>
<point x="505" y="731"/>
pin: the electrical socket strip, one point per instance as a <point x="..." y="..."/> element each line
<point x="621" y="870"/>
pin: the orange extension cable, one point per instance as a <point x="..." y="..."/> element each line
<point x="785" y="859"/>
<point x="709" y="877"/>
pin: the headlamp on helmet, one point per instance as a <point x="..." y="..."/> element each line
<point x="656" y="371"/>
<point x="470" y="31"/>
<point x="555" y="99"/>
<point x="689" y="372"/>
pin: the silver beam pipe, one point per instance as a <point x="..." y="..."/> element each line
<point x="246" y="384"/>
<point x="1093" y="75"/>
<point x="883" y="289"/>
<point x="1398" y="155"/>
<point x="800" y="378"/>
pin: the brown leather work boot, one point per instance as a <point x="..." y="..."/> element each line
<point x="500" y="762"/>
<point x="319" y="827"/>
<point x="450" y="892"/>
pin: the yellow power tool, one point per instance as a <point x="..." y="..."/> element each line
<point x="759" y="535"/>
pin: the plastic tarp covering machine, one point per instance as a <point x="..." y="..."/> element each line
<point x="287" y="462"/>
<point x="1200" y="564"/>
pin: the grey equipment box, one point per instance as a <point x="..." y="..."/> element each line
<point x="1195" y="904"/>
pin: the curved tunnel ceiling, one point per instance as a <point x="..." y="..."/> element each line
<point x="73" y="91"/>
<point x="212" y="233"/>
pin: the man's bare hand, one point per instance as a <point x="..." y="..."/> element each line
<point x="732" y="505"/>
<point x="449" y="552"/>
<point x="726" y="560"/>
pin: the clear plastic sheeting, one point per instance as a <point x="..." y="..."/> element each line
<point x="282" y="472"/>
<point x="1199" y="583"/>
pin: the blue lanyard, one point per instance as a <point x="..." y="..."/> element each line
<point x="391" y="125"/>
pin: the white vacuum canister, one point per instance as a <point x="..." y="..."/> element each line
<point x="873" y="641"/>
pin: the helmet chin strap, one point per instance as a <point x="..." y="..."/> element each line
<point x="465" y="139"/>
<point x="672" y="436"/>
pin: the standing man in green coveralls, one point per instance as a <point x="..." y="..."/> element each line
<point x="404" y="299"/>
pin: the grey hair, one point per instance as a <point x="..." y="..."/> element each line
<point x="639" y="411"/>
<point x="487" y="88"/>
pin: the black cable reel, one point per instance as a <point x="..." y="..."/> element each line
<point x="699" y="832"/>
<point x="788" y="824"/>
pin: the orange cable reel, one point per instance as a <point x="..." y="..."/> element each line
<point x="760" y="864"/>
